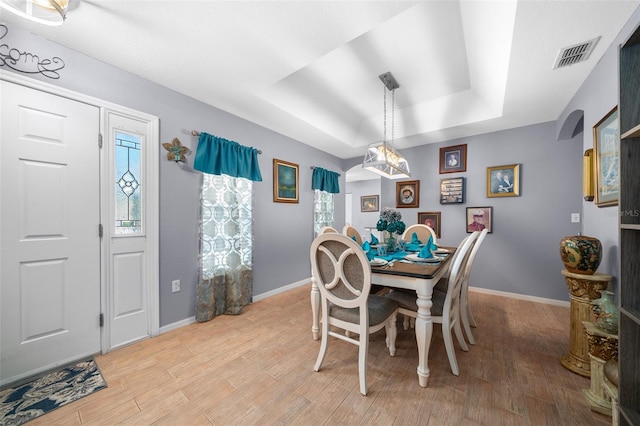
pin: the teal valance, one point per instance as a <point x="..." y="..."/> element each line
<point x="325" y="180"/>
<point x="219" y="156"/>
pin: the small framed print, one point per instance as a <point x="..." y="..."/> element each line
<point x="452" y="191"/>
<point x="503" y="181"/>
<point x="432" y="220"/>
<point x="408" y="193"/>
<point x="453" y="159"/>
<point x="285" y="181"/>
<point x="479" y="218"/>
<point x="606" y="142"/>
<point x="369" y="203"/>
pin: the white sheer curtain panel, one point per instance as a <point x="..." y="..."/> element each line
<point x="226" y="253"/>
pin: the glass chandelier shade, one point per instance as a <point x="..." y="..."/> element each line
<point x="46" y="12"/>
<point x="381" y="157"/>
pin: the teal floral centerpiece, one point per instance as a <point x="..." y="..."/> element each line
<point x="391" y="223"/>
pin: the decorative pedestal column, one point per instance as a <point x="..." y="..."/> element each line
<point x="582" y="290"/>
<point x="603" y="346"/>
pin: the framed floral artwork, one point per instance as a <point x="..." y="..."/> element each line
<point x="285" y="181"/>
<point x="369" y="203"/>
<point x="606" y="142"/>
<point x="432" y="220"/>
<point x="503" y="181"/>
<point x="453" y="159"/>
<point x="408" y="193"/>
<point x="479" y="218"/>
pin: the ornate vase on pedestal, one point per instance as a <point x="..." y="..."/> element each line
<point x="581" y="254"/>
<point x="605" y="312"/>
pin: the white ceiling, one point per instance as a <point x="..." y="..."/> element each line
<point x="309" y="69"/>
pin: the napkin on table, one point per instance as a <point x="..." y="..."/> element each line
<point x="374" y="240"/>
<point x="414" y="239"/>
<point x="366" y="247"/>
<point x="426" y="251"/>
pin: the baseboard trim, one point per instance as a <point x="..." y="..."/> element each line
<point x="287" y="287"/>
<point x="177" y="324"/>
<point x="306" y="281"/>
<point x="521" y="297"/>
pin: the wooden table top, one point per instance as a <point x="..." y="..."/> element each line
<point x="416" y="270"/>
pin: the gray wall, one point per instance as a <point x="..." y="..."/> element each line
<point x="362" y="220"/>
<point x="521" y="255"/>
<point x="283" y="232"/>
<point x="595" y="98"/>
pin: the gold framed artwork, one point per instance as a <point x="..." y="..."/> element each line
<point x="408" y="193"/>
<point x="285" y="181"/>
<point x="606" y="147"/>
<point x="432" y="220"/>
<point x="503" y="181"/>
<point x="369" y="203"/>
<point x="453" y="159"/>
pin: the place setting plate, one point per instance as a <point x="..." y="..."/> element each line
<point x="377" y="262"/>
<point x="414" y="258"/>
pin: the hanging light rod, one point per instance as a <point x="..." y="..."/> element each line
<point x="381" y="157"/>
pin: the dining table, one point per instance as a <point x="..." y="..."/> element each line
<point x="400" y="273"/>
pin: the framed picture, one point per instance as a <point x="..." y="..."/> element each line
<point x="369" y="203"/>
<point x="606" y="145"/>
<point x="431" y="219"/>
<point x="479" y="218"/>
<point x="503" y="181"/>
<point x="453" y="159"/>
<point x="285" y="181"/>
<point x="408" y="193"/>
<point x="452" y="191"/>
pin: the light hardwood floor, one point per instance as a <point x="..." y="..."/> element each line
<point x="257" y="368"/>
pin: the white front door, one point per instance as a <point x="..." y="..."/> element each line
<point x="50" y="244"/>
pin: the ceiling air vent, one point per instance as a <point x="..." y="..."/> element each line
<point x="574" y="54"/>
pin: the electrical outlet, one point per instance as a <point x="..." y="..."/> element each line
<point x="175" y="286"/>
<point x="575" y="217"/>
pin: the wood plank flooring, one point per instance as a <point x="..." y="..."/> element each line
<point x="257" y="368"/>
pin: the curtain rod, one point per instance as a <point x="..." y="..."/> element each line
<point x="314" y="167"/>
<point x="197" y="133"/>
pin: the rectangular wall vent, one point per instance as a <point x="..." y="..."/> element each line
<point x="574" y="54"/>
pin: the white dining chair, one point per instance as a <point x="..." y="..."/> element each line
<point x="326" y="229"/>
<point x="446" y="306"/>
<point x="465" y="309"/>
<point x="342" y="273"/>
<point x="351" y="232"/>
<point x="422" y="232"/>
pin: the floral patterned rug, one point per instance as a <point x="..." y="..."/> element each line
<point x="20" y="404"/>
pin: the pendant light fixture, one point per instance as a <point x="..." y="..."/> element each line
<point x="47" y="12"/>
<point x="382" y="157"/>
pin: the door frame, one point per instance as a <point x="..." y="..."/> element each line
<point x="152" y="217"/>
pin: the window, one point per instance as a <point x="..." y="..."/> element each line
<point x="128" y="204"/>
<point x="322" y="210"/>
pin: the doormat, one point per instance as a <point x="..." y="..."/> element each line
<point x="37" y="397"/>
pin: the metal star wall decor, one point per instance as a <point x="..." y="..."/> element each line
<point x="176" y="150"/>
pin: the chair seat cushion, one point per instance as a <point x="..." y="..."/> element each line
<point x="407" y="300"/>
<point x="380" y="308"/>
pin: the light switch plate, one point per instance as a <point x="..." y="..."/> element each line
<point x="575" y="217"/>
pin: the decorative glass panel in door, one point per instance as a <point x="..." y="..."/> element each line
<point x="128" y="187"/>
